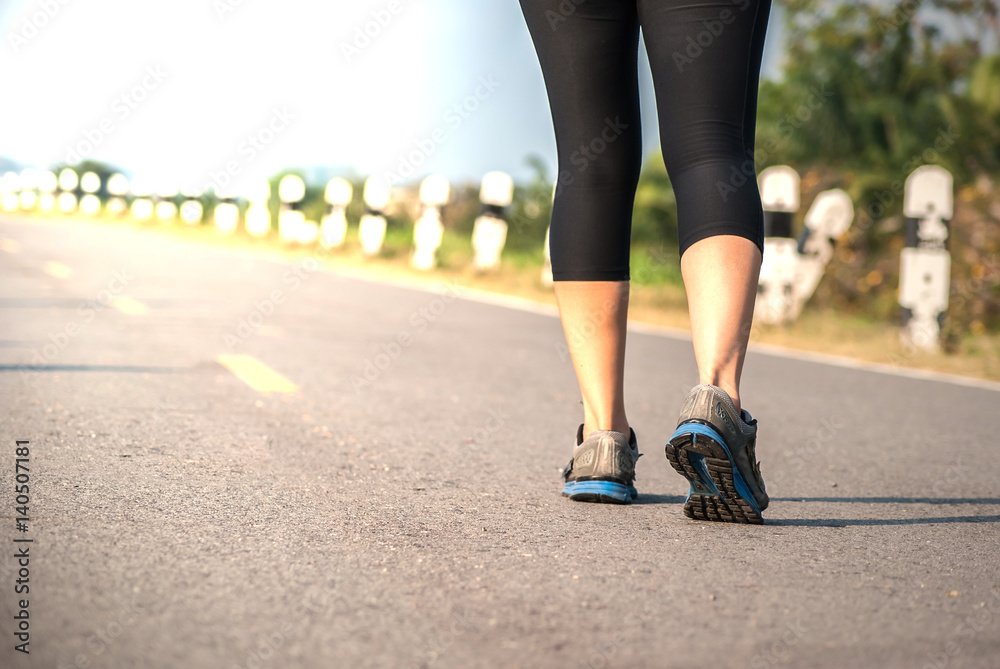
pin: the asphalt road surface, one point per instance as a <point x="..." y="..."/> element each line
<point x="241" y="461"/>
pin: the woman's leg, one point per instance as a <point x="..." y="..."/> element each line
<point x="705" y="57"/>
<point x="588" y="54"/>
<point x="594" y="316"/>
<point x="720" y="276"/>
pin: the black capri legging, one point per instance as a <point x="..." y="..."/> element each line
<point x="705" y="59"/>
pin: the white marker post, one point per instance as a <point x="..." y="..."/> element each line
<point x="28" y="195"/>
<point x="428" y="230"/>
<point x="142" y="204"/>
<point x="166" y="208"/>
<point x="118" y="189"/>
<point x="258" y="216"/>
<point x="371" y="230"/>
<point x="192" y="210"/>
<point x="489" y="233"/>
<point x="69" y="181"/>
<point x="925" y="265"/>
<point x="334" y="227"/>
<point x="291" y="220"/>
<point x="10" y="184"/>
<point x="90" y="184"/>
<point x="226" y="214"/>
<point x="829" y="217"/>
<point x="779" y="193"/>
<point x="48" y="182"/>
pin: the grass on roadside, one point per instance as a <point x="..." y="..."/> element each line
<point x="657" y="295"/>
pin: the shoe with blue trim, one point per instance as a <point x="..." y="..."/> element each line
<point x="714" y="448"/>
<point x="602" y="468"/>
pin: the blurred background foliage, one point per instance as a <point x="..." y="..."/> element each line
<point x="870" y="91"/>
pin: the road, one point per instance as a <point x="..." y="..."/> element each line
<point x="239" y="460"/>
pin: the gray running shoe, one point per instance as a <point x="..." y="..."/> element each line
<point x="714" y="449"/>
<point x="602" y="468"/>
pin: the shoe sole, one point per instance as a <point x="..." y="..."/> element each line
<point x="718" y="491"/>
<point x="607" y="492"/>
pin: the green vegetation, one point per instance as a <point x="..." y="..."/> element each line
<point x="870" y="91"/>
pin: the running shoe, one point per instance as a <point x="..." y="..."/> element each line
<point x="602" y="468"/>
<point x="714" y="448"/>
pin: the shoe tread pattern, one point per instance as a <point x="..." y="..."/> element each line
<point x="728" y="506"/>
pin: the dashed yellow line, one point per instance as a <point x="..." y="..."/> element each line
<point x="57" y="269"/>
<point x="129" y="306"/>
<point x="10" y="245"/>
<point x="256" y="374"/>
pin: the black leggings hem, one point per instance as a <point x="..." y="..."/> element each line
<point x="591" y="275"/>
<point x="726" y="228"/>
<point x="705" y="60"/>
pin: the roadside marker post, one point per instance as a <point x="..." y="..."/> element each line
<point x="489" y="232"/>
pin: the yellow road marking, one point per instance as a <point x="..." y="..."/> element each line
<point x="127" y="305"/>
<point x="10" y="245"/>
<point x="256" y="374"/>
<point x="58" y="270"/>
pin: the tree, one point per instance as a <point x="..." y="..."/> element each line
<point x="871" y="86"/>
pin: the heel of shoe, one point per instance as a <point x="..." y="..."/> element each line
<point x="600" y="491"/>
<point x="717" y="490"/>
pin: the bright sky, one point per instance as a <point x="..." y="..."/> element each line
<point x="202" y="91"/>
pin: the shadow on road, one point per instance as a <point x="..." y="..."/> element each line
<point x="845" y="522"/>
<point x="893" y="500"/>
<point x="645" y="498"/>
<point x="92" y="368"/>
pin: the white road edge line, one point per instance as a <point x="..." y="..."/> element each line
<point x="524" y="304"/>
